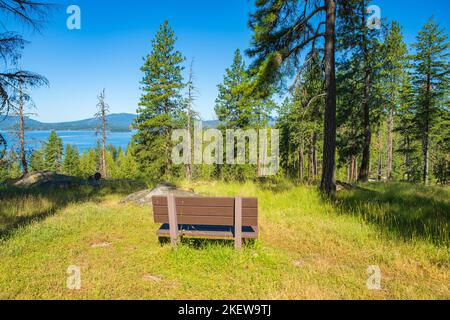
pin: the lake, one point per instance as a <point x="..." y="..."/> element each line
<point x="83" y="140"/>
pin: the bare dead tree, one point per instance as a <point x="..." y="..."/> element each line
<point x="191" y="96"/>
<point x="103" y="110"/>
<point x="31" y="14"/>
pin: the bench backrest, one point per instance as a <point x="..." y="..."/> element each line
<point x="206" y="210"/>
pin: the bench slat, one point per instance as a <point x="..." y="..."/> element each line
<point x="206" y="220"/>
<point x="205" y="201"/>
<point x="205" y="211"/>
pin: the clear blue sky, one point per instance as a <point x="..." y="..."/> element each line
<point x="107" y="52"/>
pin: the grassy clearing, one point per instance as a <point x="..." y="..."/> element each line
<point x="308" y="248"/>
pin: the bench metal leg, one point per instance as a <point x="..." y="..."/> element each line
<point x="238" y="223"/>
<point x="173" y="224"/>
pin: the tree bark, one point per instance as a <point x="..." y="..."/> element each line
<point x="314" y="154"/>
<point x="365" y="161"/>
<point x="301" y="160"/>
<point x="328" y="184"/>
<point x="379" y="164"/>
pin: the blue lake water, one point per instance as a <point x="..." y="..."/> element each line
<point x="83" y="140"/>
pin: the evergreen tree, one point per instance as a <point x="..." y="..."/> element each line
<point x="395" y="64"/>
<point x="53" y="152"/>
<point x="37" y="161"/>
<point x="114" y="151"/>
<point x="282" y="30"/>
<point x="408" y="146"/>
<point x="112" y="165"/>
<point x="431" y="82"/>
<point x="89" y="162"/>
<point x="301" y="121"/>
<point x="161" y="105"/>
<point x="128" y="168"/>
<point x="363" y="44"/>
<point x="233" y="108"/>
<point x="350" y="137"/>
<point x="71" y="165"/>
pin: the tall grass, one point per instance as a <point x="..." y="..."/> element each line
<point x="308" y="248"/>
<point x="405" y="210"/>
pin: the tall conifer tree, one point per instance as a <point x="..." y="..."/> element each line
<point x="431" y="82"/>
<point x="161" y="106"/>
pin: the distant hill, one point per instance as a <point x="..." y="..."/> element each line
<point x="116" y="122"/>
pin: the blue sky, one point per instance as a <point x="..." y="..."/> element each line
<point x="115" y="35"/>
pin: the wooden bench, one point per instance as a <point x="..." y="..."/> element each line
<point x="209" y="217"/>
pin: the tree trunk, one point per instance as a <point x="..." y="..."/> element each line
<point x="407" y="160"/>
<point x="353" y="167"/>
<point x="189" y="119"/>
<point x="104" y="171"/>
<point x="426" y="129"/>
<point x="390" y="144"/>
<point x="379" y="164"/>
<point x="23" y="157"/>
<point x="328" y="184"/>
<point x="301" y="161"/>
<point x="310" y="162"/>
<point x="348" y="171"/>
<point x="365" y="161"/>
<point x="314" y="154"/>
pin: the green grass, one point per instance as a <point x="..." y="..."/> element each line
<point x="308" y="248"/>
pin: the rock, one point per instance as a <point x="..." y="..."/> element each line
<point x="298" y="263"/>
<point x="101" y="245"/>
<point x="144" y="197"/>
<point x="150" y="277"/>
<point x="45" y="178"/>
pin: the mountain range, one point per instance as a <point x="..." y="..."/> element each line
<point x="116" y="122"/>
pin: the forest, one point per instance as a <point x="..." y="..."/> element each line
<point x="380" y="111"/>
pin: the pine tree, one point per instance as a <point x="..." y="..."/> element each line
<point x="408" y="146"/>
<point x="232" y="106"/>
<point x="395" y="64"/>
<point x="363" y="43"/>
<point x="161" y="105"/>
<point x="431" y="82"/>
<point x="111" y="165"/>
<point x="37" y="161"/>
<point x="89" y="162"/>
<point x="282" y="30"/>
<point x="53" y="152"/>
<point x="301" y="121"/>
<point x="127" y="165"/>
<point x="350" y="137"/>
<point x="71" y="165"/>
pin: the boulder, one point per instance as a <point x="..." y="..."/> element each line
<point x="144" y="197"/>
<point x="45" y="178"/>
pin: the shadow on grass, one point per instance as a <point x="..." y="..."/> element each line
<point x="274" y="184"/>
<point x="404" y="210"/>
<point x="20" y="207"/>
<point x="204" y="243"/>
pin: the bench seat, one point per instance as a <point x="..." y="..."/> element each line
<point x="207" y="231"/>
<point x="206" y="217"/>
